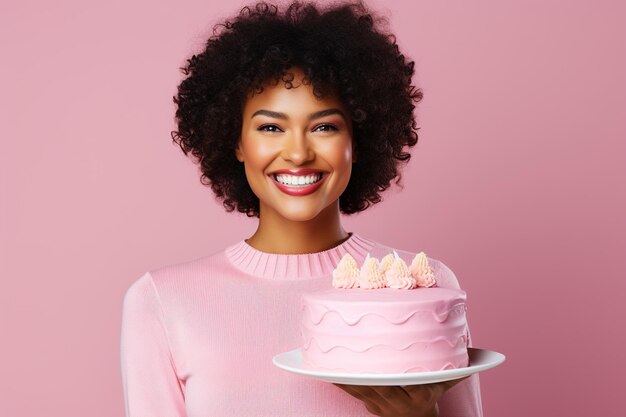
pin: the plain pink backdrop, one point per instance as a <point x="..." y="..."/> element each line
<point x="517" y="183"/>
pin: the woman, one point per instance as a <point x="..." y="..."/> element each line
<point x="295" y="117"/>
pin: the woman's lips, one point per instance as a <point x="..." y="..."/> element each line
<point x="300" y="190"/>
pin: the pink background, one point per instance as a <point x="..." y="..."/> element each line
<point x="517" y="184"/>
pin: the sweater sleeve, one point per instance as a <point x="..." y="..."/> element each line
<point x="462" y="400"/>
<point x="150" y="382"/>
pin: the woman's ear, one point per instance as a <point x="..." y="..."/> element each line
<point x="354" y="153"/>
<point x="238" y="152"/>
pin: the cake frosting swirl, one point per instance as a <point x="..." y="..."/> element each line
<point x="346" y="274"/>
<point x="421" y="271"/>
<point x="370" y="275"/>
<point x="398" y="275"/>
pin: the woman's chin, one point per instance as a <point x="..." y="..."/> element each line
<point x="299" y="211"/>
<point x="301" y="214"/>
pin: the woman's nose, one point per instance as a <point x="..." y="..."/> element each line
<point x="298" y="149"/>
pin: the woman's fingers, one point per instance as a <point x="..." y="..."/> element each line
<point x="370" y="399"/>
<point x="450" y="384"/>
<point x="396" y="400"/>
<point x="392" y="393"/>
<point x="427" y="391"/>
<point x="362" y="392"/>
<point x="380" y="397"/>
<point x="373" y="408"/>
<point x="350" y="390"/>
<point x="426" y="394"/>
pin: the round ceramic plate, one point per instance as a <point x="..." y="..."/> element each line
<point x="479" y="360"/>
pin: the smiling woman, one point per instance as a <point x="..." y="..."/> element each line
<point x="344" y="55"/>
<point x="310" y="141"/>
<point x="295" y="117"/>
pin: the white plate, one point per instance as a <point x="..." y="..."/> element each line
<point x="479" y="360"/>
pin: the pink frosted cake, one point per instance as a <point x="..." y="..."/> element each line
<point x="384" y="317"/>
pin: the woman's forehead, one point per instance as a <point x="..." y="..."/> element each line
<point x="293" y="99"/>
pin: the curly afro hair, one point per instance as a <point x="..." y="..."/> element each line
<point x="340" y="49"/>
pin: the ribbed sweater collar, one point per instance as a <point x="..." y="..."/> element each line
<point x="296" y="266"/>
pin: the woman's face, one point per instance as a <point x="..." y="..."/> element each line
<point x="283" y="129"/>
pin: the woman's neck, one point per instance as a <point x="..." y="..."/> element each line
<point x="276" y="234"/>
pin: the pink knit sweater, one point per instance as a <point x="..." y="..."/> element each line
<point x="197" y="338"/>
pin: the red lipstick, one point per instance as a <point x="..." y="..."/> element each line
<point x="300" y="190"/>
<point x="301" y="171"/>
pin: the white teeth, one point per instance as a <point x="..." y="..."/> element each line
<point x="298" y="180"/>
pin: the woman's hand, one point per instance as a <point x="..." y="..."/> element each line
<point x="394" y="401"/>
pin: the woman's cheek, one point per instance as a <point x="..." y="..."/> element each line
<point x="260" y="153"/>
<point x="344" y="160"/>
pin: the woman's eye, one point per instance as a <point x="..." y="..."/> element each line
<point x="264" y="128"/>
<point x="328" y="128"/>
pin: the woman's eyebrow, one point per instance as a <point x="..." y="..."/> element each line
<point x="312" y="116"/>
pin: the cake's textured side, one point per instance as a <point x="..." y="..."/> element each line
<point x="384" y="330"/>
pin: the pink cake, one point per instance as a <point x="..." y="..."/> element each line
<point x="378" y="319"/>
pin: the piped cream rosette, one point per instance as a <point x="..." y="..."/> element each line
<point x="399" y="276"/>
<point x="390" y="272"/>
<point x="420" y="269"/>
<point x="346" y="274"/>
<point x="370" y="275"/>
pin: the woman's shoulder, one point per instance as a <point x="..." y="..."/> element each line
<point x="443" y="274"/>
<point x="172" y="275"/>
